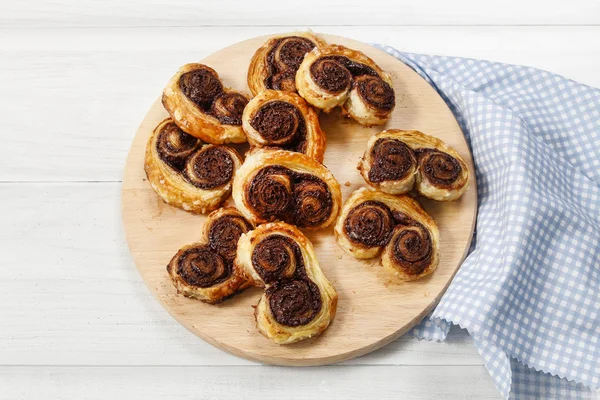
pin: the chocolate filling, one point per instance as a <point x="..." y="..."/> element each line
<point x="312" y="202"/>
<point x="294" y="302"/>
<point x="210" y="168"/>
<point x="224" y="233"/>
<point x="206" y="90"/>
<point x="283" y="61"/>
<point x="278" y="257"/>
<point x="391" y="160"/>
<point x="200" y="86"/>
<point x="334" y="73"/>
<point x="174" y="146"/>
<point x="228" y="108"/>
<point x="370" y="224"/>
<point x="281" y="124"/>
<point x="439" y="168"/>
<point x="375" y="92"/>
<point x="200" y="266"/>
<point x="331" y="75"/>
<point x="293" y="298"/>
<point x="412" y="246"/>
<point x="277" y="192"/>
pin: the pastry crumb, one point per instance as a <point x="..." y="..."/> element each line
<point x="347" y="183"/>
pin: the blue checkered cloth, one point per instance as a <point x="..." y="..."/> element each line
<point x="529" y="291"/>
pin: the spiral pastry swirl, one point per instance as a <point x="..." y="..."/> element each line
<point x="374" y="92"/>
<point x="279" y="123"/>
<point x="205" y="270"/>
<point x="201" y="86"/>
<point x="370" y="224"/>
<point x="275" y="63"/>
<point x="331" y="74"/>
<point x="174" y="146"/>
<point x="312" y="202"/>
<point x="373" y="222"/>
<point x="334" y="76"/>
<point x="200" y="266"/>
<point x="294" y="302"/>
<point x="298" y="302"/>
<point x="277" y="119"/>
<point x="280" y="193"/>
<point x="186" y="174"/>
<point x="211" y="167"/>
<point x="224" y="230"/>
<point x="202" y="106"/>
<point x="270" y="191"/>
<point x="228" y="108"/>
<point x="291" y="187"/>
<point x="410" y="249"/>
<point x="439" y="168"/>
<point x="396" y="161"/>
<point x="276" y="257"/>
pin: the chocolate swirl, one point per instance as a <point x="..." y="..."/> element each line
<point x="200" y="266"/>
<point x="312" y="202"/>
<point x="277" y="192"/>
<point x="283" y="61"/>
<point x="439" y="168"/>
<point x="331" y="75"/>
<point x="204" y="88"/>
<point x="294" y="302"/>
<point x="228" y="108"/>
<point x="280" y="124"/>
<point x="174" y="146"/>
<point x="224" y="233"/>
<point x="270" y="192"/>
<point x="375" y="92"/>
<point x="277" y="257"/>
<point x="369" y="223"/>
<point x="210" y="167"/>
<point x="200" y="86"/>
<point x="391" y="160"/>
<point x="335" y="73"/>
<point x="412" y="246"/>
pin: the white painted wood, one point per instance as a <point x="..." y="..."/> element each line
<point x="78" y="95"/>
<point x="260" y="382"/>
<point x="70" y="294"/>
<point x="103" y="13"/>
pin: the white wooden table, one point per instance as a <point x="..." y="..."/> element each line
<point x="76" y="78"/>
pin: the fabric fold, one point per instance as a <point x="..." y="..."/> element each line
<point x="529" y="291"/>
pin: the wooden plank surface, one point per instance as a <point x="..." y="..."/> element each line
<point x="90" y="88"/>
<point x="335" y="382"/>
<point x="111" y="13"/>
<point x="69" y="294"/>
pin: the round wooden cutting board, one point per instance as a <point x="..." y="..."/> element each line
<point x="374" y="307"/>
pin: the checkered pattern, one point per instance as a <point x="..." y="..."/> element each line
<point x="529" y="291"/>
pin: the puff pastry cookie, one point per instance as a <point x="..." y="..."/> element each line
<point x="204" y="270"/>
<point x="299" y="302"/>
<point x="372" y="222"/>
<point x="201" y="106"/>
<point x="291" y="187"/>
<point x="335" y="75"/>
<point x="397" y="160"/>
<point x="275" y="63"/>
<point x="283" y="120"/>
<point x="187" y="174"/>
